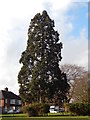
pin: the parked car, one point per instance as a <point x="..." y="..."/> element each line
<point x="17" y="111"/>
<point x="10" y="111"/>
<point x="61" y="109"/>
<point x="54" y="109"/>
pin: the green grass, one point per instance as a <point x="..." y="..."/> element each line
<point x="20" y="117"/>
<point x="13" y="115"/>
<point x="50" y="116"/>
<point x="60" y="114"/>
<point x="46" y="118"/>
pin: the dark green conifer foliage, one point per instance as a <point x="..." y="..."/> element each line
<point x="40" y="76"/>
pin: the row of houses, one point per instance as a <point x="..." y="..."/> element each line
<point x="9" y="101"/>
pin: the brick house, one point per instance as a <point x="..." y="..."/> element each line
<point x="9" y="101"/>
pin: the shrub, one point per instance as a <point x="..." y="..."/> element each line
<point x="80" y="108"/>
<point x="44" y="109"/>
<point x="30" y="110"/>
<point x="36" y="109"/>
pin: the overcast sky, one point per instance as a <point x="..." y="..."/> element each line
<point x="71" y="21"/>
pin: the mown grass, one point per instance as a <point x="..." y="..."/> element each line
<point x="57" y="116"/>
<point x="46" y="118"/>
<point x="24" y="115"/>
<point x="13" y="115"/>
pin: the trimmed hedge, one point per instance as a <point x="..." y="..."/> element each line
<point x="79" y="108"/>
<point x="36" y="109"/>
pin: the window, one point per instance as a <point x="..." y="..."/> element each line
<point x="19" y="102"/>
<point x="6" y="101"/>
<point x="18" y="108"/>
<point x="12" y="101"/>
<point x="5" y="108"/>
<point x="12" y="107"/>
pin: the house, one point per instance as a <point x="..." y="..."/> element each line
<point x="9" y="101"/>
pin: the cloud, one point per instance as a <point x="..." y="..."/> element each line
<point x="15" y="17"/>
<point x="14" y="22"/>
<point x="76" y="50"/>
<point x="58" y="5"/>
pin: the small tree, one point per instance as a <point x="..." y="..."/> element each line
<point x="40" y="76"/>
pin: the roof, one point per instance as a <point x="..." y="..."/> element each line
<point x="8" y="94"/>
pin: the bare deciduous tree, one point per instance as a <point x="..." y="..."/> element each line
<point x="80" y="91"/>
<point x="75" y="75"/>
<point x="89" y="86"/>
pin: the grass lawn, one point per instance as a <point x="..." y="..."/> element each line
<point x="49" y="117"/>
<point x="46" y="118"/>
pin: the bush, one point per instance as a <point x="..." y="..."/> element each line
<point x="30" y="110"/>
<point x="46" y="108"/>
<point x="36" y="109"/>
<point x="80" y="108"/>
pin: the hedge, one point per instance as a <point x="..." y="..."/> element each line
<point x="79" y="108"/>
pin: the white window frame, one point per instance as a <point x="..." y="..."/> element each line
<point x="12" y="101"/>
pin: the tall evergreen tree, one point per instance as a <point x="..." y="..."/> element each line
<point x="40" y="78"/>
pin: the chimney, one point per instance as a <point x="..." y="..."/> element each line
<point x="6" y="89"/>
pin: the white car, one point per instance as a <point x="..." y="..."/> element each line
<point x="54" y="109"/>
<point x="10" y="111"/>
